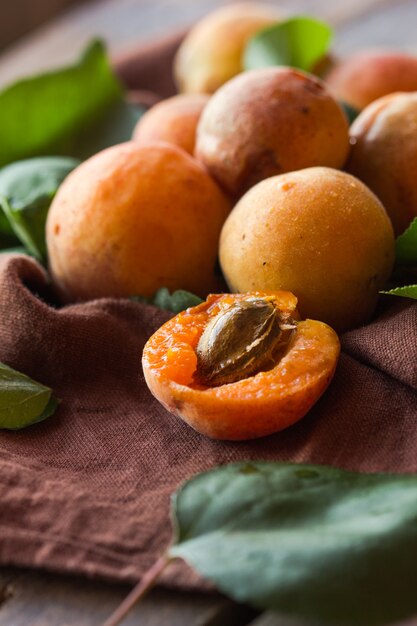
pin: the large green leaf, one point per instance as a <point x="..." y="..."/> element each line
<point x="26" y="192"/>
<point x="298" y="42"/>
<point x="68" y="111"/>
<point x="22" y="400"/>
<point x="310" y="542"/>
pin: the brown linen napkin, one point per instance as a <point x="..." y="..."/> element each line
<point x="87" y="491"/>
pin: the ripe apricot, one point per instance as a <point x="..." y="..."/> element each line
<point x="366" y="76"/>
<point x="133" y="219"/>
<point x="269" y="121"/>
<point x="384" y="154"/>
<point x="212" y="51"/>
<point x="173" y="120"/>
<point x="263" y="402"/>
<point x="319" y="233"/>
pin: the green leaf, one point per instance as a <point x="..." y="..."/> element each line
<point x="407" y="291"/>
<point x="26" y="192"/>
<point x="298" y="42"/>
<point x="15" y="250"/>
<point x="406" y="246"/>
<point x="22" y="400"/>
<point x="405" y="270"/>
<point x="7" y="238"/>
<point x="310" y="542"/>
<point x="350" y="111"/>
<point x="116" y="126"/>
<point x="176" y="301"/>
<point x="55" y="113"/>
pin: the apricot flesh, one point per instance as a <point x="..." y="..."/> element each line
<point x="133" y="219"/>
<point x="173" y="120"/>
<point x="212" y="51"/>
<point x="259" y="405"/>
<point x="319" y="233"/>
<point x="384" y="154"/>
<point x="366" y="76"/>
<point x="267" y="122"/>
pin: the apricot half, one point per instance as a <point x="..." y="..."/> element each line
<point x="275" y="380"/>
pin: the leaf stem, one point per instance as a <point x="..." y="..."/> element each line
<point x="145" y="584"/>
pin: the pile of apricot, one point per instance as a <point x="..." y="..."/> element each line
<point x="260" y="171"/>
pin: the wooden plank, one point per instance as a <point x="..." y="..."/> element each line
<point x="124" y="23"/>
<point x="272" y="619"/>
<point x="39" y="599"/>
<point x="21" y="16"/>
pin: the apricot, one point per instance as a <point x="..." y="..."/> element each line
<point x="212" y="51"/>
<point x="319" y="233"/>
<point x="173" y="120"/>
<point x="384" y="154"/>
<point x="366" y="76"/>
<point x="133" y="219"/>
<point x="267" y="122"/>
<point x="258" y="401"/>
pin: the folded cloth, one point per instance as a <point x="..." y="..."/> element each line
<point x="87" y="491"/>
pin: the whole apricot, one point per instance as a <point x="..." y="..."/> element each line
<point x="270" y="121"/>
<point x="132" y="219"/>
<point x="319" y="233"/>
<point x="212" y="51"/>
<point x="384" y="154"/>
<point x="240" y="366"/>
<point x="173" y="120"/>
<point x="366" y="76"/>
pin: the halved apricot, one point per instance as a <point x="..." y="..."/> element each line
<point x="300" y="362"/>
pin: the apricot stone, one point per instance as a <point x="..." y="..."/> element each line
<point x="384" y="154"/>
<point x="212" y="51"/>
<point x="173" y="120"/>
<point x="133" y="219"/>
<point x="366" y="76"/>
<point x="267" y="122"/>
<point x="319" y="233"/>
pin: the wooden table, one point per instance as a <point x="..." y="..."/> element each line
<point x="29" y="598"/>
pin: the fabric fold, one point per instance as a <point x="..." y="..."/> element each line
<point x="88" y="490"/>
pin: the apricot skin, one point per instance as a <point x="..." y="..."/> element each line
<point x="253" y="407"/>
<point x="319" y="233"/>
<point x="384" y="154"/>
<point x="369" y="75"/>
<point x="173" y="120"/>
<point x="212" y="51"/>
<point x="267" y="122"/>
<point x="133" y="219"/>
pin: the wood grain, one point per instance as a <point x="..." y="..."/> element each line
<point x="21" y="16"/>
<point x="35" y="599"/>
<point x="124" y="23"/>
